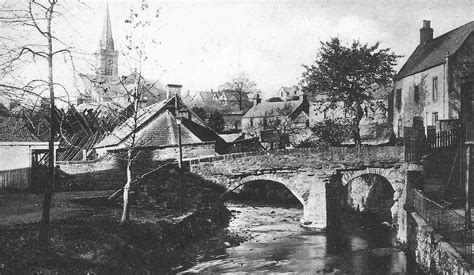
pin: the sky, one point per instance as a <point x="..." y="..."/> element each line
<point x="202" y="44"/>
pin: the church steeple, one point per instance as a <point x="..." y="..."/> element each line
<point x="108" y="56"/>
<point x="107" y="41"/>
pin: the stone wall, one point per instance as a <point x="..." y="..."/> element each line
<point x="432" y="253"/>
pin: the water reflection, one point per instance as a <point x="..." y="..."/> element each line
<point x="278" y="244"/>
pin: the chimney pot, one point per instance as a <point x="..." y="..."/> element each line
<point x="426" y="32"/>
<point x="173" y="89"/>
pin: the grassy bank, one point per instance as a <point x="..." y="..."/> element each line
<point x="177" y="219"/>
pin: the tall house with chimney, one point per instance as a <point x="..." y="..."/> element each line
<point x="427" y="88"/>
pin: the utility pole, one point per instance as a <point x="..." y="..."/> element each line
<point x="467" y="209"/>
<point x="178" y="121"/>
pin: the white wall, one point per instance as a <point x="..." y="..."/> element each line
<point x="426" y="105"/>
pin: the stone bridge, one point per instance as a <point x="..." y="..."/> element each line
<point x="314" y="175"/>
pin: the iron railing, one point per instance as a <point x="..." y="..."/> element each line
<point x="443" y="139"/>
<point x="417" y="146"/>
<point x="447" y="222"/>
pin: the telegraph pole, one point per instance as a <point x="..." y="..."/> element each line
<point x="178" y="121"/>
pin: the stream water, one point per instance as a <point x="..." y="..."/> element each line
<point x="276" y="243"/>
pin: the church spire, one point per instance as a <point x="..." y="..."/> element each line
<point x="107" y="41"/>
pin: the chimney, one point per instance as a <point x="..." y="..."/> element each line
<point x="257" y="100"/>
<point x="426" y="32"/>
<point x="173" y="89"/>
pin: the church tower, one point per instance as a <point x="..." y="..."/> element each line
<point x="108" y="56"/>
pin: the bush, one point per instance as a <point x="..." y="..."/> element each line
<point x="332" y="132"/>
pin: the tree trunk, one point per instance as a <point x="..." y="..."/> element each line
<point x="359" y="113"/>
<point x="44" y="234"/>
<point x="126" y="206"/>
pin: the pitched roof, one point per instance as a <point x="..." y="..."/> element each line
<point x="231" y="96"/>
<point x="13" y="129"/>
<point x="266" y="108"/>
<point x="434" y="51"/>
<point x="157" y="126"/>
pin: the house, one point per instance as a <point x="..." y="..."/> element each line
<point x="238" y="143"/>
<point x="234" y="101"/>
<point x="289" y="93"/>
<point x="158" y="129"/>
<point x="427" y="88"/>
<point x="20" y="153"/>
<point x="277" y="123"/>
<point x="206" y="100"/>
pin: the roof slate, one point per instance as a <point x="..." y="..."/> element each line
<point x="157" y="126"/>
<point x="435" y="51"/>
<point x="13" y="129"/>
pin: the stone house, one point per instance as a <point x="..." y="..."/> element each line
<point x="20" y="151"/>
<point x="158" y="130"/>
<point x="427" y="88"/>
<point x="274" y="121"/>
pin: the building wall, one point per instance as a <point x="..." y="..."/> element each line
<point x="15" y="166"/>
<point x="426" y="104"/>
<point x="450" y="76"/>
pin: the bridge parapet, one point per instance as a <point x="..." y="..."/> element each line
<point x="346" y="157"/>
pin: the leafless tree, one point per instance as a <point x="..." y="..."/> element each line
<point x="239" y="87"/>
<point x="133" y="87"/>
<point x="30" y="39"/>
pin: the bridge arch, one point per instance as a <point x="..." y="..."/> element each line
<point x="285" y="181"/>
<point x="392" y="175"/>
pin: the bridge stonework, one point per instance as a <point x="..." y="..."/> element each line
<point x="306" y="172"/>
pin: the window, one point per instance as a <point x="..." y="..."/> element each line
<point x="416" y="94"/>
<point x="251" y="122"/>
<point x="264" y="123"/>
<point x="399" y="127"/>
<point x="435" y="88"/>
<point x="398" y="99"/>
<point x="434" y="117"/>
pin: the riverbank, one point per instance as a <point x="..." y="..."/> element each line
<point x="175" y="220"/>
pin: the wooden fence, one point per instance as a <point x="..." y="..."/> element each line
<point x="18" y="179"/>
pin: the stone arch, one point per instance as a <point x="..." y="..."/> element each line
<point x="285" y="181"/>
<point x="395" y="177"/>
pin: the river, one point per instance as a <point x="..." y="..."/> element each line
<point x="276" y="243"/>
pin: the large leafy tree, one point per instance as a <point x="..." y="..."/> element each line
<point x="345" y="76"/>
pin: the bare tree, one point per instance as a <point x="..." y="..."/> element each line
<point x="35" y="17"/>
<point x="239" y="87"/>
<point x="134" y="87"/>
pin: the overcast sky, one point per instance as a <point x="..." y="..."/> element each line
<point x="204" y="43"/>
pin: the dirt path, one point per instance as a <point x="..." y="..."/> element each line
<point x="26" y="208"/>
